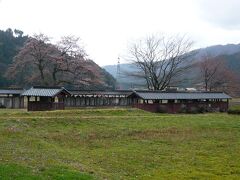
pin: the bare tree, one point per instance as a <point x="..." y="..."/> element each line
<point x="215" y="74"/>
<point x="209" y="70"/>
<point x="160" y="59"/>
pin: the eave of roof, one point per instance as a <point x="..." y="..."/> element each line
<point x="180" y="95"/>
<point x="45" y="92"/>
<point x="83" y="92"/>
<point x="11" y="91"/>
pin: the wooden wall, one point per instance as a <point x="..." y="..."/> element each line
<point x="14" y="102"/>
<point x="84" y="101"/>
<point x="45" y="106"/>
<point x="219" y="106"/>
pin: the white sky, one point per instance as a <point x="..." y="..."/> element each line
<point x="106" y="27"/>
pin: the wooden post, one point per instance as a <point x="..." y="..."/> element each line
<point x="97" y="101"/>
<point x="12" y="102"/>
<point x="227" y="104"/>
<point x="28" y="100"/>
<point x="75" y="101"/>
<point x="94" y="100"/>
<point x="20" y="102"/>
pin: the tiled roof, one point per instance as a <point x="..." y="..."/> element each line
<point x="11" y="91"/>
<point x="46" y="92"/>
<point x="180" y="95"/>
<point x="117" y="92"/>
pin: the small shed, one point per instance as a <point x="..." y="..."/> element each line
<point x="175" y="102"/>
<point x="45" y="98"/>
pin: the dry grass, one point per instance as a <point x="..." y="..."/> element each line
<point x="118" y="144"/>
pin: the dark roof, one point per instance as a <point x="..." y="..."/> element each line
<point x="44" y="91"/>
<point x="117" y="92"/>
<point x="11" y="91"/>
<point x="152" y="95"/>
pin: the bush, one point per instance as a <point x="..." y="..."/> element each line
<point x="234" y="109"/>
<point x="2" y="106"/>
<point x="201" y="110"/>
<point x="192" y="110"/>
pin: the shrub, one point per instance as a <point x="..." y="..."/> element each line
<point x="2" y="106"/>
<point x="234" y="109"/>
<point x="201" y="110"/>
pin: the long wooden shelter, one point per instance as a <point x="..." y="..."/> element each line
<point x="83" y="98"/>
<point x="11" y="98"/>
<point x="175" y="102"/>
<point x="40" y="98"/>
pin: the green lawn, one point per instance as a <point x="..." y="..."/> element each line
<point x="118" y="144"/>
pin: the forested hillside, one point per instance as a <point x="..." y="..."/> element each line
<point x="27" y="61"/>
<point x="10" y="43"/>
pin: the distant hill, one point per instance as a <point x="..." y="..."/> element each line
<point x="124" y="80"/>
<point x="230" y="53"/>
<point x="232" y="60"/>
<point x="218" y="50"/>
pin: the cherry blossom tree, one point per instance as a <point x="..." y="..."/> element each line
<point x="63" y="63"/>
<point x="31" y="63"/>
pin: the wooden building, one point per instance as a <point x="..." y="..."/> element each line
<point x="177" y="102"/>
<point x="45" y="99"/>
<point x="80" y="98"/>
<point x="11" y="98"/>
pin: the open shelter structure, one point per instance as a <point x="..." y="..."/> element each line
<point x="45" y="99"/>
<point x="42" y="98"/>
<point x="11" y="98"/>
<point x="91" y="98"/>
<point x="176" y="102"/>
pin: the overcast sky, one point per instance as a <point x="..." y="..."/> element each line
<point x="107" y="27"/>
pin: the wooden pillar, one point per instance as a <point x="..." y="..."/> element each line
<point x="97" y="101"/>
<point x="227" y="104"/>
<point x="20" y="102"/>
<point x="28" y="100"/>
<point x="72" y="101"/>
<point x="12" y="103"/>
<point x="78" y="101"/>
<point x="81" y="100"/>
<point x="94" y="101"/>
<point x="75" y="101"/>
<point x="117" y="102"/>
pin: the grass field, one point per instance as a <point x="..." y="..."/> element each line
<point x="118" y="144"/>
